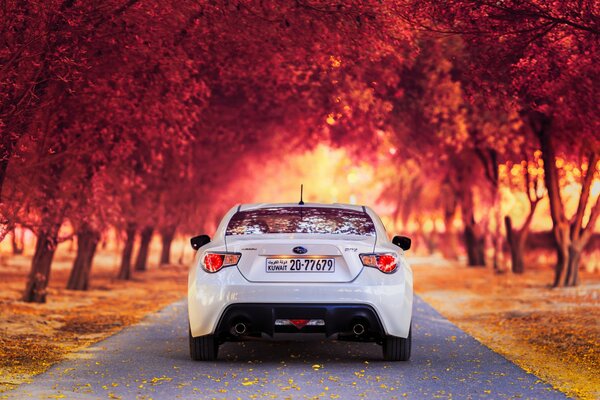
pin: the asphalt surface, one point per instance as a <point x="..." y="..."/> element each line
<point x="150" y="360"/>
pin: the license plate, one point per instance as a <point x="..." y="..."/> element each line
<point x="322" y="265"/>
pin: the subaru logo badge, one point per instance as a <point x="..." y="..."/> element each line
<point x="299" y="250"/>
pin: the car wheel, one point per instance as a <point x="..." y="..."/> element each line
<point x="397" y="348"/>
<point x="203" y="348"/>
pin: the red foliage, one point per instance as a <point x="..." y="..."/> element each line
<point x="128" y="114"/>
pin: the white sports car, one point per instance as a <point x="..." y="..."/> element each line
<point x="300" y="268"/>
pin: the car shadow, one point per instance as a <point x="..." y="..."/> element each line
<point x="301" y="351"/>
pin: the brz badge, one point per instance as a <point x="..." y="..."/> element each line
<point x="299" y="250"/>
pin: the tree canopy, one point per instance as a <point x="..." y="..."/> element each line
<point x="126" y="114"/>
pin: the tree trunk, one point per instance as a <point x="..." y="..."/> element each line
<point x="167" y="235"/>
<point x="516" y="253"/>
<point x="498" y="255"/>
<point x="428" y="240"/>
<point x="87" y="241"/>
<point x="450" y="245"/>
<point x="142" y="256"/>
<point x="475" y="244"/>
<point x="125" y="270"/>
<point x="4" y="158"/>
<point x="560" y="226"/>
<point x="572" y="275"/>
<point x="39" y="276"/>
<point x="570" y="236"/>
<point x="35" y="290"/>
<point x="562" y="258"/>
<point x="575" y="260"/>
<point x="473" y="236"/>
<point x="516" y="240"/>
<point x="579" y="234"/>
<point x="18" y="241"/>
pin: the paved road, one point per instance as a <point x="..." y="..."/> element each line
<point x="150" y="360"/>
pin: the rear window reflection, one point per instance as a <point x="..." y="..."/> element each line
<point x="320" y="220"/>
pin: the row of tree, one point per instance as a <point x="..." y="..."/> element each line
<point x="142" y="116"/>
<point x="499" y="84"/>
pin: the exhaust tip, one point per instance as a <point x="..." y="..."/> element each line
<point x="358" y="329"/>
<point x="240" y="328"/>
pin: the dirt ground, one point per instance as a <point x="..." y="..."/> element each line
<point x="553" y="333"/>
<point x="35" y="336"/>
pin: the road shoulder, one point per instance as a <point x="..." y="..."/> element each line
<point x="36" y="336"/>
<point x="553" y="334"/>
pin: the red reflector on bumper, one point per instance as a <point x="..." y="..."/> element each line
<point x="299" y="323"/>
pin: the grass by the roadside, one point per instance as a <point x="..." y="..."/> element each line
<point x="35" y="336"/>
<point x="553" y="333"/>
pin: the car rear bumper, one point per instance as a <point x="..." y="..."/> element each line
<point x="213" y="298"/>
<point x="349" y="321"/>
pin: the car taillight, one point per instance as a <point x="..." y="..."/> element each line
<point x="213" y="262"/>
<point x="385" y="262"/>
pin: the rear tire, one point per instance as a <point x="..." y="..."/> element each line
<point x="397" y="348"/>
<point x="203" y="348"/>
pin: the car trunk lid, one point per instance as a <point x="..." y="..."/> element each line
<point x="333" y="258"/>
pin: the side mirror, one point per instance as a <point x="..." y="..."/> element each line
<point x="402" y="241"/>
<point x="199" y="241"/>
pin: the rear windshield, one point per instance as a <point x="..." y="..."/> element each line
<point x="320" y="220"/>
